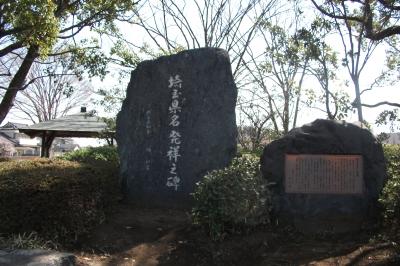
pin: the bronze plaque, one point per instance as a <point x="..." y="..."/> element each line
<point x="323" y="174"/>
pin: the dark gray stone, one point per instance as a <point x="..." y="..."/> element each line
<point x="36" y="257"/>
<point x="207" y="125"/>
<point x="317" y="213"/>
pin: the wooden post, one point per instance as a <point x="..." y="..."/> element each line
<point x="42" y="150"/>
<point x="47" y="140"/>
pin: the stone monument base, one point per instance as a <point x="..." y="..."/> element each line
<point x="337" y="188"/>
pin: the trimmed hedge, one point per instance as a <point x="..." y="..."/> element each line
<point x="61" y="200"/>
<point x="93" y="154"/>
<point x="390" y="198"/>
<point x="232" y="199"/>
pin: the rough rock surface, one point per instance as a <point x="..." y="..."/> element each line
<point x="176" y="124"/>
<point x="317" y="213"/>
<point x="35" y="257"/>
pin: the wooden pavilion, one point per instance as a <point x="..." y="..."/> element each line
<point x="83" y="124"/>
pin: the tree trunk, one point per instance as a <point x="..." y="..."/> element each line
<point x="17" y="82"/>
<point x="358" y="99"/>
<point x="285" y="114"/>
<point x="47" y="140"/>
<point x="296" y="110"/>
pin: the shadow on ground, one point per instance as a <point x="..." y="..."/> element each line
<point x="148" y="237"/>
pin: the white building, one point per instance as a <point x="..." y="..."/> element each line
<point x="13" y="143"/>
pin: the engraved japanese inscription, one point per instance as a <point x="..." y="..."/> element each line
<point x="176" y="124"/>
<point x="327" y="174"/>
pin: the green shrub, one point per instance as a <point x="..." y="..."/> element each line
<point x="60" y="200"/>
<point x="231" y="199"/>
<point x="390" y="197"/>
<point x="93" y="154"/>
<point x="257" y="152"/>
<point x="5" y="159"/>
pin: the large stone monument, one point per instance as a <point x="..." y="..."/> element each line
<point x="325" y="176"/>
<point x="176" y="124"/>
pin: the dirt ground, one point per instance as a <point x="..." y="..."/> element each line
<point x="149" y="237"/>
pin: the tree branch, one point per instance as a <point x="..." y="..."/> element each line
<point x="10" y="48"/>
<point x="381" y="103"/>
<point x="326" y="13"/>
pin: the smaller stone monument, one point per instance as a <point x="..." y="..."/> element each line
<point x="326" y="176"/>
<point x="176" y="124"/>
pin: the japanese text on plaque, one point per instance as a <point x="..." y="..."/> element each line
<point x="174" y="110"/>
<point x="325" y="174"/>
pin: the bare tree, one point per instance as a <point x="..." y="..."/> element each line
<point x="358" y="50"/>
<point x="279" y="72"/>
<point x="232" y="25"/>
<point x="254" y="120"/>
<point x="323" y="67"/>
<point x="53" y="92"/>
<point x="374" y="20"/>
<point x="389" y="76"/>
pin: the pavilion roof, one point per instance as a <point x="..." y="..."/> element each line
<point x="77" y="125"/>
